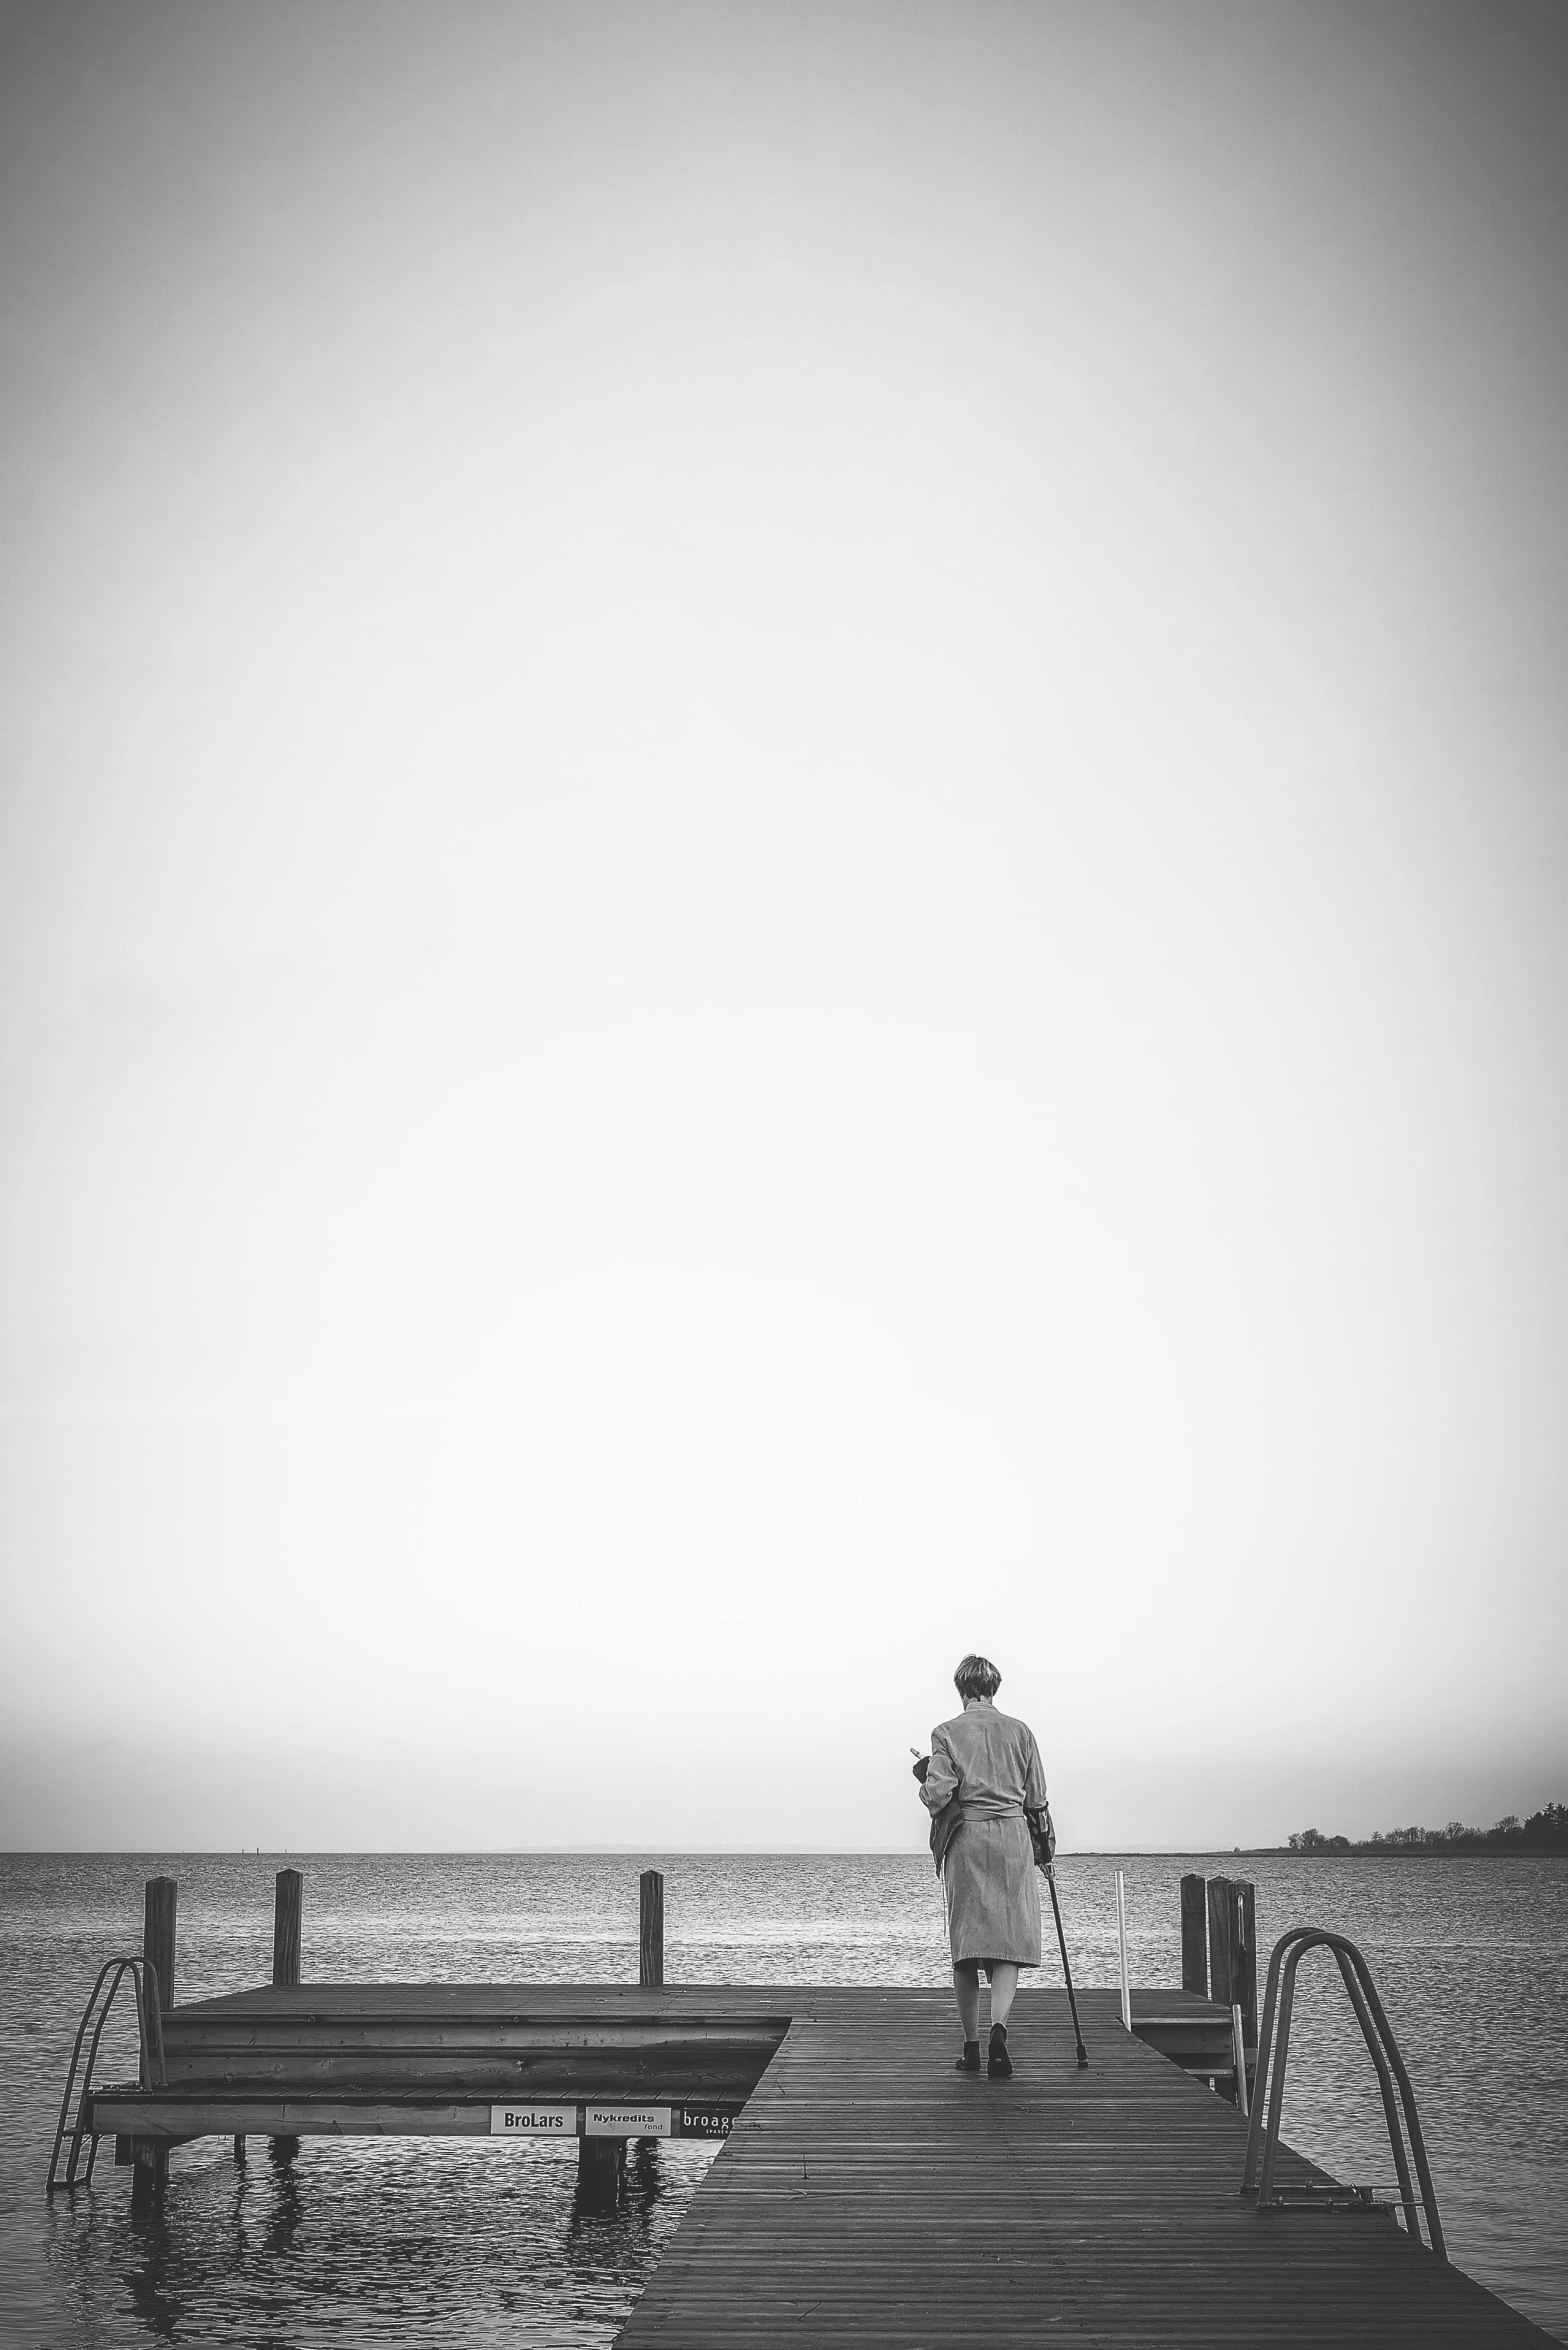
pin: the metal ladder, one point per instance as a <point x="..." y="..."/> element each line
<point x="1288" y="1953"/>
<point x="149" y="2030"/>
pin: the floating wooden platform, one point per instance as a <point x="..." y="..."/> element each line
<point x="867" y="2192"/>
<point x="444" y="2059"/>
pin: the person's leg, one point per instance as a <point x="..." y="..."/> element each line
<point x="966" y="1990"/>
<point x="1004" y="1984"/>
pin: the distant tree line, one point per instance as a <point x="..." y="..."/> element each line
<point x="1543" y="1831"/>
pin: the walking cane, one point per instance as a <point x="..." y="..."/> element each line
<point x="1061" y="1941"/>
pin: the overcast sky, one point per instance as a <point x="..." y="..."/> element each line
<point x="782" y="888"/>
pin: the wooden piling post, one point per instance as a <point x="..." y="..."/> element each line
<point x="1244" y="1969"/>
<point x="1194" y="1937"/>
<point x="650" y="1930"/>
<point x="148" y="2176"/>
<point x="601" y="2171"/>
<point x="1220" y="1941"/>
<point x="288" y="1910"/>
<point x="287" y="1918"/>
<point x="158" y="1911"/>
<point x="149" y="2156"/>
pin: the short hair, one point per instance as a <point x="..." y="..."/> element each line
<point x="977" y="1677"/>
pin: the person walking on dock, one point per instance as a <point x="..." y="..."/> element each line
<point x="983" y="1773"/>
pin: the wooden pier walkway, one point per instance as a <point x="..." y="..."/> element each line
<point x="867" y="2193"/>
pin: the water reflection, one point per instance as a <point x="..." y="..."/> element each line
<point x="283" y="2220"/>
<point x="625" y="2184"/>
<point x="151" y="2285"/>
<point x="646" y="2175"/>
<point x="368" y="2242"/>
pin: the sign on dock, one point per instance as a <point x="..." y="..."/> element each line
<point x="707" y="2121"/>
<point x="533" y="2121"/>
<point x="626" y="2121"/>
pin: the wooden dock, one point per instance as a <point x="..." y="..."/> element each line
<point x="869" y="2194"/>
<point x="866" y="2192"/>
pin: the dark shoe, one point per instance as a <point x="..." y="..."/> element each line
<point x="998" y="2064"/>
<point x="969" y="2062"/>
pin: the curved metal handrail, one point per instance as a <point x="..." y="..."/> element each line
<point x="1287" y="1955"/>
<point x="149" y="2033"/>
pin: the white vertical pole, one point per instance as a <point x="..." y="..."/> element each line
<point x="1121" y="1936"/>
<point x="1239" y="2048"/>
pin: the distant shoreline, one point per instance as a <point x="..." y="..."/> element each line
<point x="1408" y="1852"/>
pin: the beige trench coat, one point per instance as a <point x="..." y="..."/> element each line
<point x="991" y="1762"/>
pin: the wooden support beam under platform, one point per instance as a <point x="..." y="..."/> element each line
<point x="173" y="2120"/>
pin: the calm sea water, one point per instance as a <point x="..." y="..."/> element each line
<point x="464" y="2243"/>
